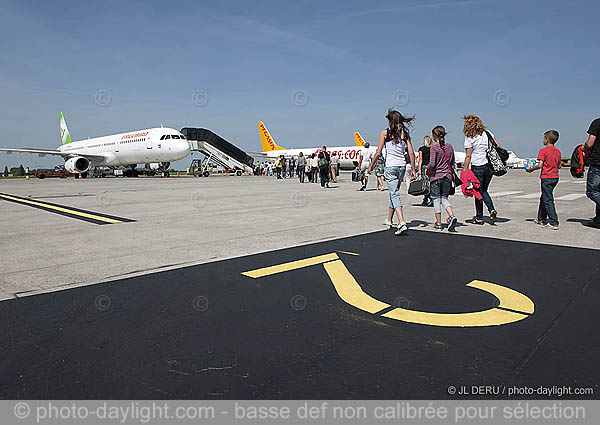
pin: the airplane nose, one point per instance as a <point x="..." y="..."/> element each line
<point x="184" y="147"/>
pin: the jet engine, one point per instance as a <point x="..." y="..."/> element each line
<point x="78" y="164"/>
<point x="160" y="166"/>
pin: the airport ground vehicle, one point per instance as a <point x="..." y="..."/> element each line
<point x="60" y="173"/>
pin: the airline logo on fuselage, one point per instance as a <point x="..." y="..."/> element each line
<point x="135" y="135"/>
<point x="344" y="154"/>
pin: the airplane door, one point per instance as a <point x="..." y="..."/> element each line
<point x="149" y="141"/>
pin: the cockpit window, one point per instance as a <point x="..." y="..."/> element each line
<point x="168" y="136"/>
<point x="174" y="136"/>
<point x="163" y="137"/>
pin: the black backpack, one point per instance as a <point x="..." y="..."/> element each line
<point x="579" y="160"/>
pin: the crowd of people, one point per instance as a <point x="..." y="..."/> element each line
<point x="314" y="168"/>
<point x="436" y="163"/>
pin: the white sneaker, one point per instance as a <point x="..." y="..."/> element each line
<point x="550" y="226"/>
<point x="402" y="227"/>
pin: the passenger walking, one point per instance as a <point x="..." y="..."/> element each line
<point x="592" y="145"/>
<point x="549" y="160"/>
<point x="379" y="171"/>
<point x="301" y="167"/>
<point x="324" y="160"/>
<point x="283" y="167"/>
<point x="476" y="145"/>
<point x="335" y="165"/>
<point x="439" y="169"/>
<point x="396" y="141"/>
<point x="314" y="168"/>
<point x="423" y="162"/>
<point x="364" y="162"/>
<point x="278" y="166"/>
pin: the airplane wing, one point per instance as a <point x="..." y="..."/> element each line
<point x="44" y="152"/>
<point x="261" y="154"/>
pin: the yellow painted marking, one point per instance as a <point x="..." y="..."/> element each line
<point x="299" y="264"/>
<point x="349" y="253"/>
<point x="351" y="293"/>
<point x="491" y="317"/>
<point x="61" y="209"/>
<point x="349" y="290"/>
<point x="509" y="298"/>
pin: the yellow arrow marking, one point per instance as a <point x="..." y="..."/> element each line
<point x="351" y="293"/>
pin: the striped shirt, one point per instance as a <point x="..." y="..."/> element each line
<point x="438" y="167"/>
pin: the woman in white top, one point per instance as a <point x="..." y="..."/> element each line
<point x="396" y="140"/>
<point x="476" y="145"/>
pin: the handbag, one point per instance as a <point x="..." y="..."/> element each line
<point x="503" y="153"/>
<point x="419" y="186"/>
<point x="495" y="162"/>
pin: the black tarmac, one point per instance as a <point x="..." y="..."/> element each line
<point x="209" y="332"/>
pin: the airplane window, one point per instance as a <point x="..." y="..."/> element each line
<point x="174" y="136"/>
<point x="162" y="137"/>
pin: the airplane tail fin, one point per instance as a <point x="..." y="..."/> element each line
<point x="358" y="139"/>
<point x="64" y="131"/>
<point x="266" y="141"/>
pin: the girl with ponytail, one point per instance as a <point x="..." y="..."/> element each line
<point x="396" y="140"/>
<point x="441" y="163"/>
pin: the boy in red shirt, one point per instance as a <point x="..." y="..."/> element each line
<point x="549" y="162"/>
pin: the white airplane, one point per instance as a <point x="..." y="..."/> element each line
<point x="348" y="155"/>
<point x="514" y="161"/>
<point x="157" y="147"/>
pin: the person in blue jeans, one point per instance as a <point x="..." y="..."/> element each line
<point x="549" y="160"/>
<point x="396" y="140"/>
<point x="593" y="179"/>
<point x="476" y="144"/>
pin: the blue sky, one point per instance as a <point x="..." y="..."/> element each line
<point x="523" y="66"/>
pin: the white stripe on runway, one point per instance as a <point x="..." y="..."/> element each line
<point x="497" y="194"/>
<point x="570" y="197"/>
<point x="529" y="196"/>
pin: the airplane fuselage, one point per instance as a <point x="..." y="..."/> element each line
<point x="348" y="155"/>
<point x="136" y="147"/>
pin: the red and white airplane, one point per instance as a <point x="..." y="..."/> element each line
<point x="348" y="155"/>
